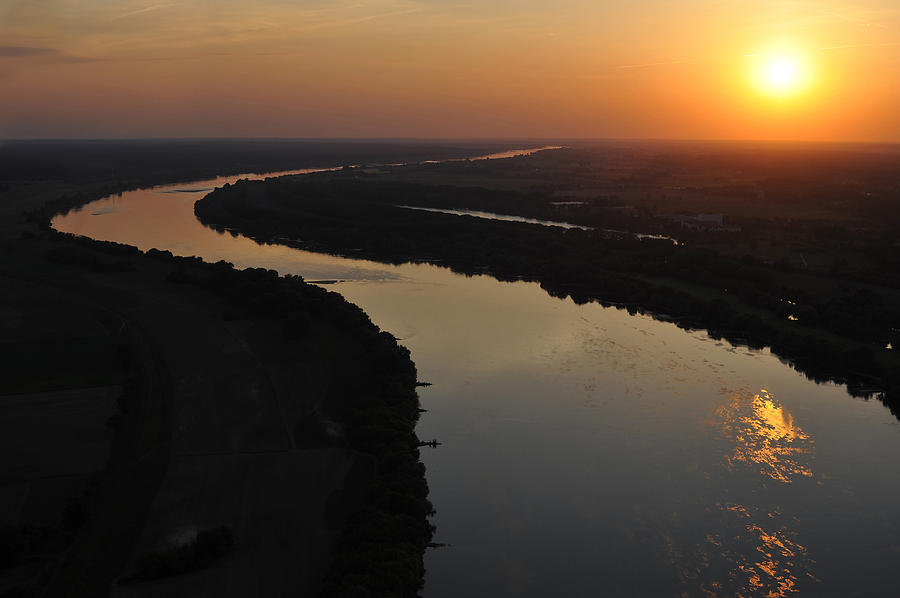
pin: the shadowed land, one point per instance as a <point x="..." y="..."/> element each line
<point x="203" y="399"/>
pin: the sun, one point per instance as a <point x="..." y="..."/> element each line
<point x="781" y="75"/>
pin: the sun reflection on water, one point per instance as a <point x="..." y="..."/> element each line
<point x="766" y="435"/>
<point x="745" y="558"/>
<point x="773" y="571"/>
<point x="754" y="549"/>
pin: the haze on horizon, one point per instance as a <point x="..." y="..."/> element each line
<point x="803" y="70"/>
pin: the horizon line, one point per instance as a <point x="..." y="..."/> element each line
<point x="438" y="139"/>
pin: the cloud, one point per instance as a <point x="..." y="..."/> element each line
<point x="24" y="51"/>
<point x="42" y="54"/>
<point x="649" y="64"/>
<point x="846" y="46"/>
<point x="859" y="22"/>
<point x="141" y="11"/>
<point x="357" y="20"/>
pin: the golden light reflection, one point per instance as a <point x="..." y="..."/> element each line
<point x="772" y="568"/>
<point x="754" y="551"/>
<point x="750" y="554"/>
<point x="766" y="435"/>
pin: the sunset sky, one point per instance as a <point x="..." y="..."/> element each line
<point x="810" y="70"/>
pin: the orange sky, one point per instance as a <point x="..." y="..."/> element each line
<point x="434" y="68"/>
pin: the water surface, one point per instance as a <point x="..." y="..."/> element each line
<point x="525" y="220"/>
<point x="496" y="216"/>
<point x="587" y="452"/>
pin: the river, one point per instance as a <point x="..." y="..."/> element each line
<point x="554" y="223"/>
<point x="588" y="452"/>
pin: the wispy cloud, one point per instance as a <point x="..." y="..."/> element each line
<point x="665" y="63"/>
<point x="24" y="51"/>
<point x="146" y="9"/>
<point x="847" y="46"/>
<point x="859" y="22"/>
<point x="41" y="54"/>
<point x="359" y="19"/>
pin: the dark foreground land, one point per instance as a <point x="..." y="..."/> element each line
<point x="175" y="428"/>
<point x="792" y="247"/>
